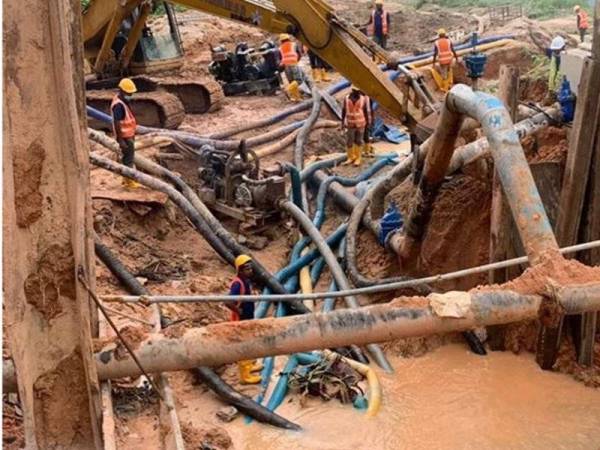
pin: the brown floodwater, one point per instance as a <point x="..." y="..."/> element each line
<point x="447" y="399"/>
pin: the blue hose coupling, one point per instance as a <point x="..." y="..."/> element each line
<point x="391" y="221"/>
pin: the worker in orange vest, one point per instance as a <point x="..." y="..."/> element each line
<point x="444" y="53"/>
<point x="241" y="310"/>
<point x="583" y="22"/>
<point x="356" y="118"/>
<point x="124" y="125"/>
<point x="290" y="54"/>
<point x="379" y="24"/>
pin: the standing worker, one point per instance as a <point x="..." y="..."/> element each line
<point x="124" y="125"/>
<point x="356" y="118"/>
<point x="444" y="53"/>
<point x="318" y="66"/>
<point x="557" y="45"/>
<point x="290" y="55"/>
<point x="583" y="22"/>
<point x="241" y="310"/>
<point x="379" y="24"/>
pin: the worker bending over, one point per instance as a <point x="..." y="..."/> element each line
<point x="356" y="118"/>
<point x="241" y="310"/>
<point x="290" y="56"/>
<point x="379" y="24"/>
<point x="444" y="53"/>
<point x="124" y="125"/>
<point x="583" y="22"/>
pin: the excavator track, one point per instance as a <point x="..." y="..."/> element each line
<point x="198" y="95"/>
<point x="152" y="109"/>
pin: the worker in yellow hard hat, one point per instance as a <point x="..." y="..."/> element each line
<point x="444" y="54"/>
<point x="378" y="26"/>
<point x="290" y="53"/>
<point x="124" y="125"/>
<point x="241" y="310"/>
<point x="583" y="21"/>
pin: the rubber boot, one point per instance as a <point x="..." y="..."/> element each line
<point x="357" y="155"/>
<point x="257" y="366"/>
<point x="246" y="377"/>
<point x="368" y="151"/>
<point x="293" y="91"/>
<point x="316" y="74"/>
<point x="350" y="155"/>
<point x="324" y="75"/>
<point x="130" y="184"/>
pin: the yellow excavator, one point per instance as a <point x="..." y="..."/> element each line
<point x="117" y="42"/>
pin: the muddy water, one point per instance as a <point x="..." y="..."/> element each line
<point x="447" y="399"/>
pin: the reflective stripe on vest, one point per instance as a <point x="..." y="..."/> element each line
<point x="384" y="23"/>
<point x="289" y="56"/>
<point x="128" y="124"/>
<point x="584" y="23"/>
<point x="355" y="115"/>
<point x="444" y="48"/>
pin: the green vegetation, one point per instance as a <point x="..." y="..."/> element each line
<point x="532" y="8"/>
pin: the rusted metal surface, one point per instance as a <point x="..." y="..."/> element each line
<point x="512" y="168"/>
<point x="228" y="342"/>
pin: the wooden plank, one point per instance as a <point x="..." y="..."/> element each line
<point x="581" y="144"/>
<point x="140" y="195"/>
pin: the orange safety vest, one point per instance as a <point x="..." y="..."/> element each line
<point x="355" y="114"/>
<point x="235" y="316"/>
<point x="584" y="23"/>
<point x="384" y="23"/>
<point x="128" y="124"/>
<point x="289" y="56"/>
<point x="444" y="49"/>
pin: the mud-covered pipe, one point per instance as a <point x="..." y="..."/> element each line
<point x="512" y="168"/>
<point x="205" y="374"/>
<point x="301" y="140"/>
<point x="260" y="272"/>
<point x="225" y="343"/>
<point x="335" y="268"/>
<point x="199" y="223"/>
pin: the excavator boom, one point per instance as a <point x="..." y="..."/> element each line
<point x="312" y="22"/>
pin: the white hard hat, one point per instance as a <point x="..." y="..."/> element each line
<point x="558" y="43"/>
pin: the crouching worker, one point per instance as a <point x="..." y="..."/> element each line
<point x="241" y="310"/>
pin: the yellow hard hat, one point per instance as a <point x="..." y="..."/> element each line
<point x="576" y="8"/>
<point x="441" y="32"/>
<point x="127" y="85"/>
<point x="379" y="2"/>
<point x="240" y="260"/>
<point x="284" y="37"/>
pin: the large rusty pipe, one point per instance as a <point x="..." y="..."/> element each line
<point x="228" y="342"/>
<point x="512" y="167"/>
<point x="225" y="343"/>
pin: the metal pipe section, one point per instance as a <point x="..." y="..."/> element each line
<point x="376" y="289"/>
<point x="224" y="343"/>
<point x="512" y="168"/>
<point x="336" y="271"/>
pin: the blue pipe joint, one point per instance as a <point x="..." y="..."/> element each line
<point x="566" y="98"/>
<point x="475" y="63"/>
<point x="391" y="221"/>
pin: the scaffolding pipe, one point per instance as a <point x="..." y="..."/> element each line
<point x="376" y="289"/>
<point x="224" y="343"/>
<point x="336" y="271"/>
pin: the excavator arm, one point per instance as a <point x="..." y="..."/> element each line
<point x="312" y="22"/>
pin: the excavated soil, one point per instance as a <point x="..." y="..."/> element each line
<point x="158" y="245"/>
